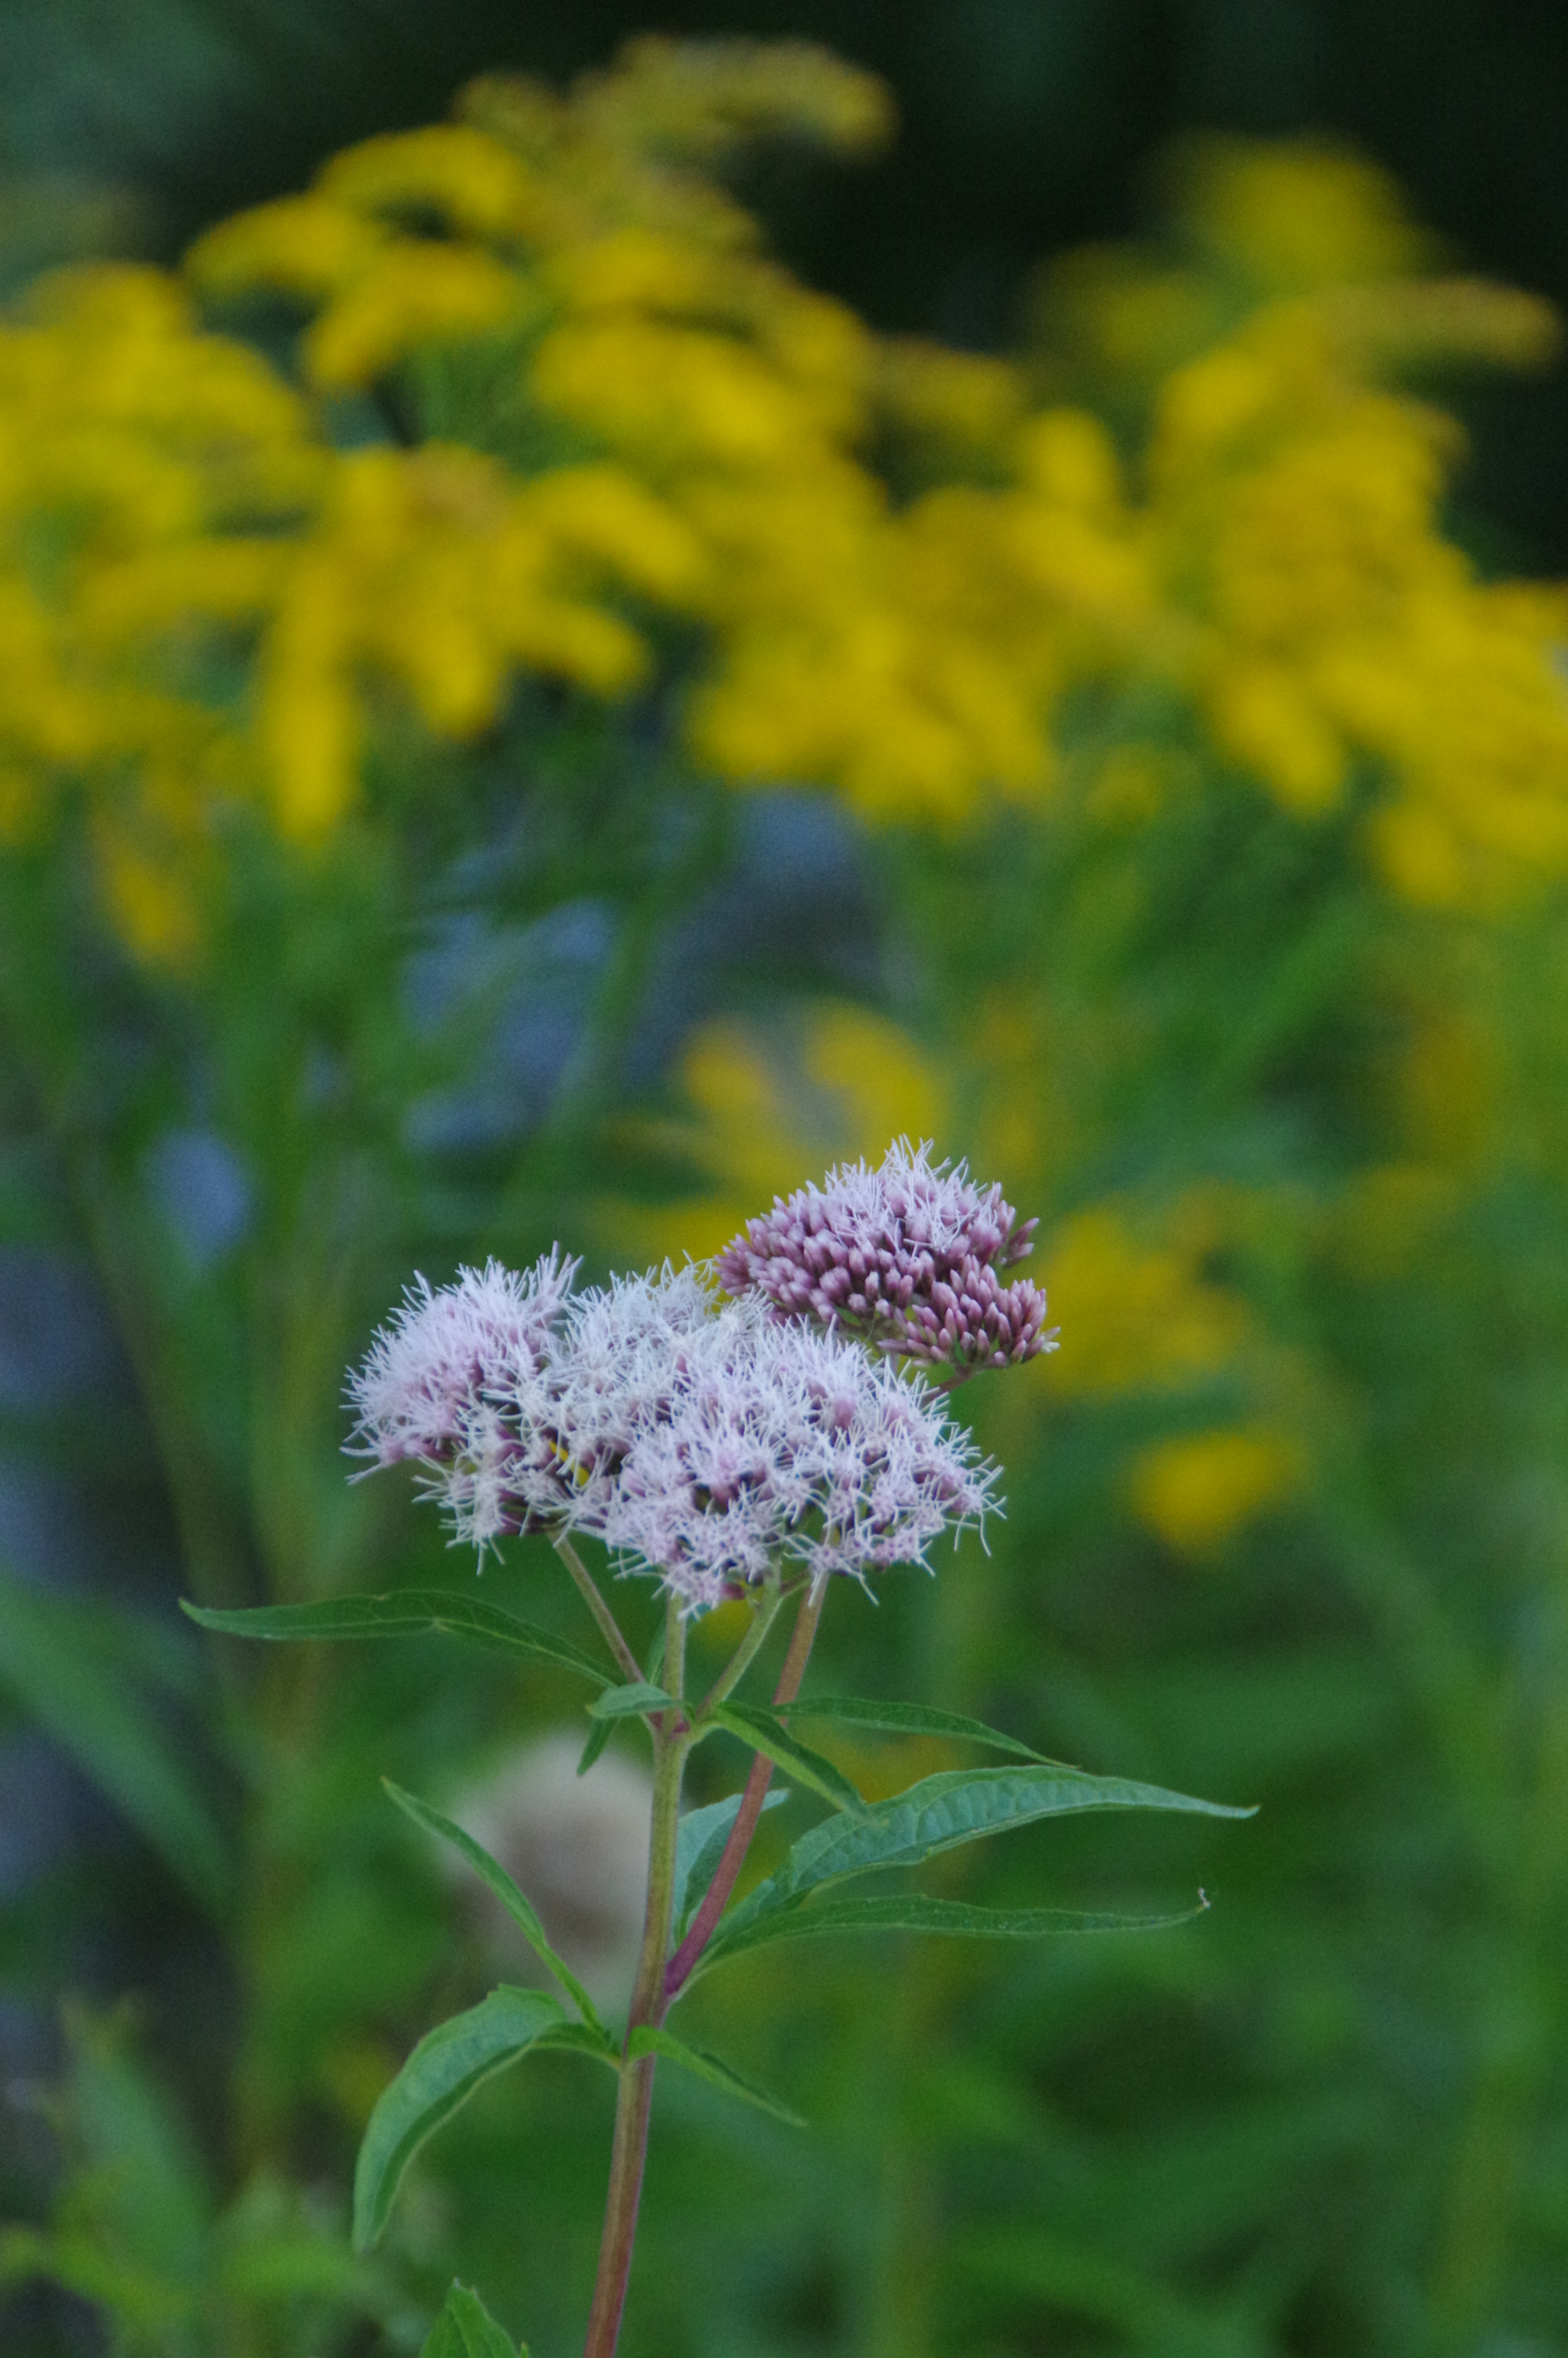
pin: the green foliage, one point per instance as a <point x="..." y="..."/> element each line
<point x="497" y="1881"/>
<point x="765" y="1733"/>
<point x="646" y="2040"/>
<point x="465" y="2329"/>
<point x="66" y="1663"/>
<point x="699" y="1846"/>
<point x="629" y="1703"/>
<point x="142" y="2235"/>
<point x="941" y="1813"/>
<point x="444" y="2070"/>
<point x="906" y="1719"/>
<point x="913" y="1912"/>
<point x="410" y="1614"/>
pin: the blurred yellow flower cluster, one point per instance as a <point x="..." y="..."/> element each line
<point x="905" y="630"/>
<point x="147" y="472"/>
<point x="648" y="451"/>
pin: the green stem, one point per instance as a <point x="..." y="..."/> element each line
<point x="649" y="2006"/>
<point x="610" y="1628"/>
<point x="740" y="1660"/>
<point x="733" y="1855"/>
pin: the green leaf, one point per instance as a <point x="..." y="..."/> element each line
<point x="408" y="1613"/>
<point x="645" y="2042"/>
<point x="941" y="1813"/>
<point x="913" y="1912"/>
<point x="766" y="1732"/>
<point x="60" y="1663"/>
<point x="699" y="1845"/>
<point x="602" y="1730"/>
<point x="465" y="2329"/>
<point x="441" y="2074"/>
<point x="629" y="1703"/>
<point x="911" y="1719"/>
<point x="521" y="1909"/>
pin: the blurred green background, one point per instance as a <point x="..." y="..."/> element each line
<point x="568" y="735"/>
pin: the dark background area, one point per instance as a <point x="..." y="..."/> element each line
<point x="1026" y="125"/>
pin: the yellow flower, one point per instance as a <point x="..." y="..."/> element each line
<point x="1135" y="1315"/>
<point x="1196" y="1491"/>
<point x="412" y="294"/>
<point x="766" y="1108"/>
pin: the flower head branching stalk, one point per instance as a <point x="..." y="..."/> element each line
<point x="650" y="2003"/>
<point x="747" y="1433"/>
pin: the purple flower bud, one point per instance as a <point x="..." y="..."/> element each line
<point x="905" y="1258"/>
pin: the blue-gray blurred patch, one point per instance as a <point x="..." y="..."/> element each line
<point x="204" y="1190"/>
<point x="55" y="1339"/>
<point x="510" y="1002"/>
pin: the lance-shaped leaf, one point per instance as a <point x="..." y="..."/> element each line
<point x="699" y="1845"/>
<point x="766" y="1732"/>
<point x="599" y="1737"/>
<point x="441" y="2074"/>
<point x="408" y="1613"/>
<point x="696" y="2059"/>
<point x="913" y="1912"/>
<point x="911" y="1719"/>
<point x="941" y="1813"/>
<point x="630" y="1702"/>
<point x="465" y="2329"/>
<point x="518" y="1905"/>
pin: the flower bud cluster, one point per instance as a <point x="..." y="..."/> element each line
<point x="703" y="1442"/>
<point x="909" y="1258"/>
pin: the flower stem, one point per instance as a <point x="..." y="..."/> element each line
<point x="649" y="2006"/>
<point x="740" y="1660"/>
<point x="610" y="1628"/>
<point x="733" y="1857"/>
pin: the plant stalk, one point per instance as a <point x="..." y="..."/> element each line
<point x="733" y="1857"/>
<point x="610" y="1628"/>
<point x="649" y="2006"/>
<point x="740" y="1660"/>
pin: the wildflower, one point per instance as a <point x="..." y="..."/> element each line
<point x="702" y="1442"/>
<point x="423" y="1391"/>
<point x="777" y="1443"/>
<point x="908" y="1257"/>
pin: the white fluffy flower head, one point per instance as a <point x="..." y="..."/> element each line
<point x="706" y="1444"/>
<point x="776" y="1444"/>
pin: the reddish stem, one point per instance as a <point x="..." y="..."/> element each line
<point x="733" y="1857"/>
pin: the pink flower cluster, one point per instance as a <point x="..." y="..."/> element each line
<point x="442" y="1353"/>
<point x="700" y="1440"/>
<point x="777" y="1444"/>
<point x="908" y="1257"/>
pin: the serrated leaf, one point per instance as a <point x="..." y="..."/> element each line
<point x="696" y="2059"/>
<point x="630" y="1702"/>
<point x="439" y="2077"/>
<point x="913" y="1912"/>
<point x="941" y="1813"/>
<point x="408" y="1613"/>
<point x="465" y="2329"/>
<point x="59" y="1664"/>
<point x="766" y="1732"/>
<point x="518" y="1906"/>
<point x="911" y="1719"/>
<point x="699" y="1845"/>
